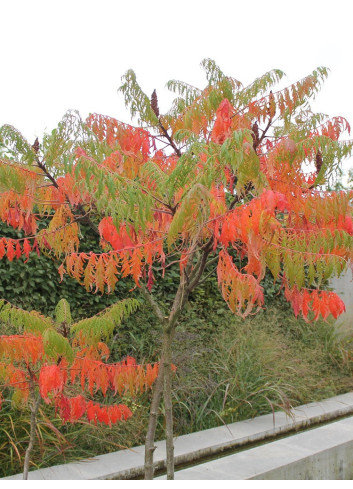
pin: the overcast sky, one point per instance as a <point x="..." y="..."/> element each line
<point x="60" y="55"/>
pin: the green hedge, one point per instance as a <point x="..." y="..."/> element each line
<point x="34" y="284"/>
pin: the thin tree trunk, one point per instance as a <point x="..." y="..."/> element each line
<point x="169" y="406"/>
<point x="164" y="379"/>
<point x="162" y="385"/>
<point x="157" y="391"/>
<point x="34" y="412"/>
<point x="152" y="423"/>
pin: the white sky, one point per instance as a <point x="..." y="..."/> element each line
<point x="60" y="55"/>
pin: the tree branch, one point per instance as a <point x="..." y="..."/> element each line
<point x="241" y="196"/>
<point x="79" y="207"/>
<point x="257" y="144"/>
<point x="170" y="140"/>
<point x="41" y="165"/>
<point x="155" y="306"/>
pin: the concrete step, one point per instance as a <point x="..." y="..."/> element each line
<point x="323" y="453"/>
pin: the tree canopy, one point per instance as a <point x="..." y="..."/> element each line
<point x="231" y="178"/>
<point x="234" y="173"/>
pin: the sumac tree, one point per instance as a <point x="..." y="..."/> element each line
<point x="227" y="171"/>
<point x="44" y="362"/>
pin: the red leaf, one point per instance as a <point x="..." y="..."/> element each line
<point x="150" y="279"/>
<point x="336" y="305"/>
<point x="51" y="381"/>
<point x="18" y="250"/>
<point x="241" y="291"/>
<point x="63" y="404"/>
<point x="26" y="248"/>
<point x="10" y="250"/>
<point x="2" y="248"/>
<point x="221" y="129"/>
<point x="78" y="407"/>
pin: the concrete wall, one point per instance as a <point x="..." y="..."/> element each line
<point x="324" y="453"/>
<point x="343" y="286"/>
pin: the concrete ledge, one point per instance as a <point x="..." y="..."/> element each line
<point x="126" y="464"/>
<point x="324" y="453"/>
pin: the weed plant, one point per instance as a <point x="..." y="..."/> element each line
<point x="246" y="368"/>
